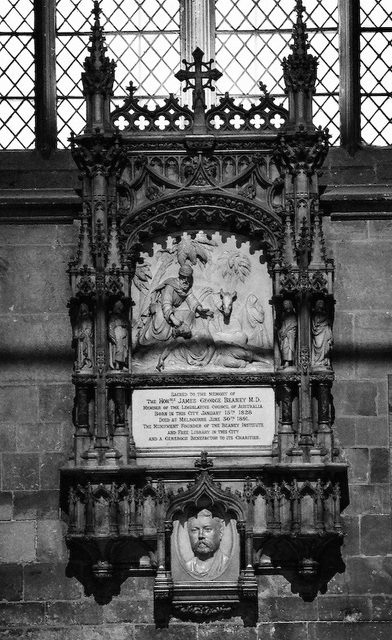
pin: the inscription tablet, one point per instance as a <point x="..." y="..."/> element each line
<point x="197" y="418"/>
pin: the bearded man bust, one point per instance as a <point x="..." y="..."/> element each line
<point x="205" y="534"/>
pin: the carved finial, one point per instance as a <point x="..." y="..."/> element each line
<point x="113" y="251"/>
<point x="263" y="88"/>
<point x="300" y="37"/>
<point x="98" y="77"/>
<point x="131" y="88"/>
<point x="318" y="245"/>
<point x="304" y="241"/>
<point x="97" y="50"/>
<point x="288" y="252"/>
<point x="299" y="72"/>
<point x="84" y="246"/>
<point x="203" y="464"/>
<point x="299" y="68"/>
<point x="96" y="12"/>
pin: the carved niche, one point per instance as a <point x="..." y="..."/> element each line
<point x="202" y="314"/>
<point x="209" y="575"/>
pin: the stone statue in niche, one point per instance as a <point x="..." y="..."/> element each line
<point x="83" y="337"/>
<point x="288" y="334"/>
<point x="202" y="301"/>
<point x="322" y="337"/>
<point x="205" y="547"/>
<point x="118" y="337"/>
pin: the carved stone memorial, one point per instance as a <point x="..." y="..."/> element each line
<point x="202" y="313"/>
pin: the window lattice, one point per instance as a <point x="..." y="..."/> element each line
<point x="376" y="72"/>
<point x="142" y="36"/>
<point x="252" y="37"/>
<point x="17" y="120"/>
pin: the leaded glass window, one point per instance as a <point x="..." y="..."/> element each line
<point x="148" y="38"/>
<point x="376" y="71"/>
<point x="252" y="38"/>
<point x="142" y="36"/>
<point x="17" y="117"/>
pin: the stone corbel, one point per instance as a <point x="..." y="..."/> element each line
<point x="303" y="535"/>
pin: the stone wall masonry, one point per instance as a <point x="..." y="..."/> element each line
<point x="368" y="166"/>
<point x="351" y="618"/>
<point x="362" y="250"/>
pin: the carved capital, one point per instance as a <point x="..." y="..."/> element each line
<point x="301" y="151"/>
<point x="98" y="155"/>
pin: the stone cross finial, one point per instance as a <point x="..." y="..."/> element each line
<point x="199" y="78"/>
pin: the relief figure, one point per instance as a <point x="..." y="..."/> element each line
<point x="322" y="338"/>
<point x="232" y="348"/>
<point x="183" y="332"/>
<point x="252" y="320"/>
<point x="165" y="300"/>
<point x="217" y="339"/>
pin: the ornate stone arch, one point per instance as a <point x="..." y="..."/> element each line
<point x="211" y="209"/>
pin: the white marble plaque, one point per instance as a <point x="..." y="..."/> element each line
<point x="203" y="418"/>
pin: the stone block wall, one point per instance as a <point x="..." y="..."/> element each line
<point x="37" y="599"/>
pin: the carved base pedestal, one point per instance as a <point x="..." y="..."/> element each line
<point x="207" y="601"/>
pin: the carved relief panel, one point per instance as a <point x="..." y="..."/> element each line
<point x="201" y="300"/>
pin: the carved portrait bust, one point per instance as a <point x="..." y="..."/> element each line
<point x="204" y="547"/>
<point x="205" y="535"/>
